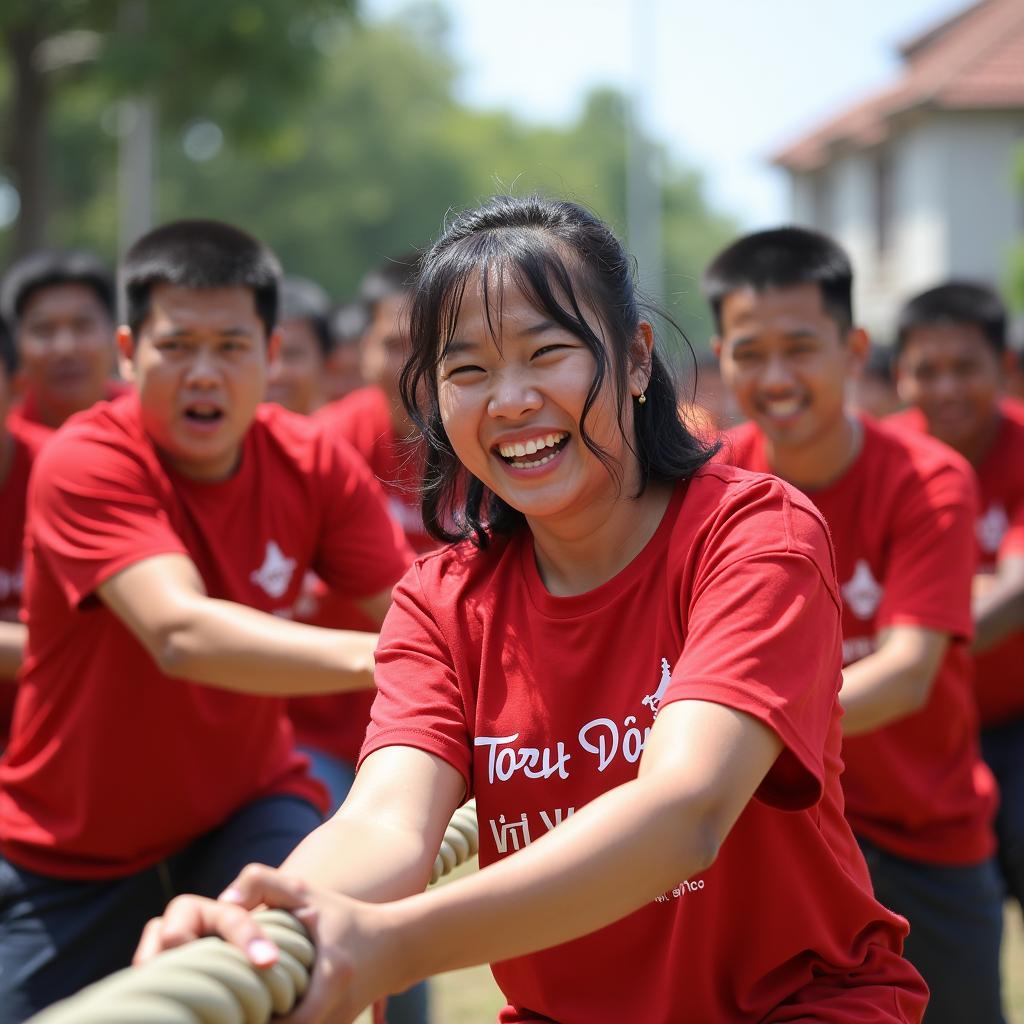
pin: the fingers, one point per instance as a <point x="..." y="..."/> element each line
<point x="191" y="917"/>
<point x="258" y="885"/>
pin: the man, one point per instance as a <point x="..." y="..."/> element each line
<point x="297" y="376"/>
<point x="60" y="306"/>
<point x="167" y="533"/>
<point x="19" y="443"/>
<point x="901" y="516"/>
<point x="952" y="361"/>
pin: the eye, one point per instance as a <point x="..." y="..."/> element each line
<point x="462" y="371"/>
<point x="546" y="350"/>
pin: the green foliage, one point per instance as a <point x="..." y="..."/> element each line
<point x="1015" y="260"/>
<point x="370" y="160"/>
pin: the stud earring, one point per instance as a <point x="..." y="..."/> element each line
<point x="641" y="399"/>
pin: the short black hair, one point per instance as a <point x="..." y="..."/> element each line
<point x="782" y="258"/>
<point x="199" y="254"/>
<point x="348" y="323"/>
<point x="8" y="351"/>
<point x="955" y="302"/>
<point x="303" y="299"/>
<point x="395" y="276"/>
<point x="47" y="268"/>
<point x="562" y="258"/>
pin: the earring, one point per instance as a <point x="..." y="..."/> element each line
<point x="641" y="399"/>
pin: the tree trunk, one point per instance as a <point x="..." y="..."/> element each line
<point x="26" y="141"/>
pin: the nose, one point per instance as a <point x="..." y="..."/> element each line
<point x="514" y="395"/>
<point x="776" y="375"/>
<point x="65" y="341"/>
<point x="202" y="368"/>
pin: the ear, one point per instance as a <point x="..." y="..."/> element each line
<point x="273" y="345"/>
<point x="1009" y="364"/>
<point x="716" y="347"/>
<point x="858" y="345"/>
<point x="641" y="351"/>
<point x="126" y="352"/>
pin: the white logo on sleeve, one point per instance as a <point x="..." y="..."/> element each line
<point x="991" y="528"/>
<point x="275" y="573"/>
<point x="653" y="700"/>
<point x="862" y="593"/>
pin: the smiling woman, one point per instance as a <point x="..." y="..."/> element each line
<point x="614" y="664"/>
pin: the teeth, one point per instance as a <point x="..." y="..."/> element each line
<point x="783" y="408"/>
<point x="533" y="464"/>
<point x="535" y="444"/>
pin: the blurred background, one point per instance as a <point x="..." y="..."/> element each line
<point x="342" y="132"/>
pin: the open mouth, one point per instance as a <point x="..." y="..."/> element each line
<point x="535" y="452"/>
<point x="204" y="414"/>
<point x="782" y="408"/>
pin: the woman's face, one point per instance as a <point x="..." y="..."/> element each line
<point x="512" y="405"/>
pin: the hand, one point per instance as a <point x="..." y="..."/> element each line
<point x="358" y="957"/>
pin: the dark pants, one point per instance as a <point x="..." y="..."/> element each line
<point x="956" y="925"/>
<point x="413" y="1005"/>
<point x="1003" y="748"/>
<point x="56" y="936"/>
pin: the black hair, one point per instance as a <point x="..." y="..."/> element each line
<point x="879" y="363"/>
<point x="560" y="256"/>
<point x="47" y="268"/>
<point x="392" y="277"/>
<point x="303" y="299"/>
<point x="348" y="323"/>
<point x="8" y="351"/>
<point x="955" y="302"/>
<point x="199" y="254"/>
<point x="781" y="258"/>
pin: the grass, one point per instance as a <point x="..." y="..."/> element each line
<point x="471" y="997"/>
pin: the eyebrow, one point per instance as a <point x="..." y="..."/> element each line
<point x="796" y="334"/>
<point x="457" y="346"/>
<point x="186" y="332"/>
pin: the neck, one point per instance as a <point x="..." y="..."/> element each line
<point x="975" y="448"/>
<point x="822" y="460"/>
<point x="6" y="454"/>
<point x="580" y="554"/>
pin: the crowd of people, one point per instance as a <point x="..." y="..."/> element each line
<point x="732" y="674"/>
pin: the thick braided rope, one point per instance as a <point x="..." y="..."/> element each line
<point x="211" y="982"/>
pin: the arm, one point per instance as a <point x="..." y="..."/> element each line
<point x="998" y="606"/>
<point x="12" y="645"/>
<point x="892" y="682"/>
<point x="702" y="764"/>
<point x="163" y="602"/>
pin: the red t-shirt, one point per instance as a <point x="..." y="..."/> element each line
<point x="26" y="442"/>
<point x="1000" y="534"/>
<point x="543" y="703"/>
<point x="902" y="520"/>
<point x="113" y="765"/>
<point x="336" y="723"/>
<point x="26" y="412"/>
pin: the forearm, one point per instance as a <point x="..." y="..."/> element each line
<point x="228" y="645"/>
<point x="998" y="613"/>
<point x="605" y="861"/>
<point x="882" y="688"/>
<point x="375" y="861"/>
<point x="12" y="646"/>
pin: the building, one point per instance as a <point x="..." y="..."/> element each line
<point x="923" y="181"/>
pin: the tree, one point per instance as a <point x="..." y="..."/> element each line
<point x="188" y="55"/>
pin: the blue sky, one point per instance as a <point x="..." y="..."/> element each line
<point x="723" y="83"/>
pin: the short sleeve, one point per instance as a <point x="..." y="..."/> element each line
<point x="419" y="700"/>
<point x="93" y="511"/>
<point x="362" y="550"/>
<point x="932" y="554"/>
<point x="763" y="637"/>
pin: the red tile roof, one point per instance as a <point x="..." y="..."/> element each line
<point x="972" y="61"/>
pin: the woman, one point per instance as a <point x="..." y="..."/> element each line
<point x="631" y="660"/>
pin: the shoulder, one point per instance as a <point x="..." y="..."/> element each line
<point x="29" y="437"/>
<point x="364" y="405"/>
<point x="108" y="434"/>
<point x="899" y="460"/>
<point x="731" y="513"/>
<point x="741" y="444"/>
<point x="458" y="575"/>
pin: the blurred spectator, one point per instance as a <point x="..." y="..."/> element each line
<point x="60" y="307"/>
<point x="952" y="362"/>
<point x="297" y="376"/>
<point x="874" y="391"/>
<point x="18" y="446"/>
<point x="344" y="365"/>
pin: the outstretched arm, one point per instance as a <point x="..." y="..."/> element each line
<point x="998" y="606"/>
<point x="192" y="636"/>
<point x="702" y="764"/>
<point x="12" y="646"/>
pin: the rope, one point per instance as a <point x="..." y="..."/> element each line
<point x="211" y="982"/>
